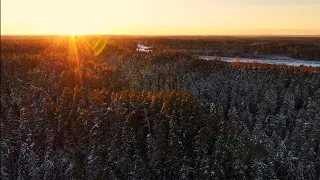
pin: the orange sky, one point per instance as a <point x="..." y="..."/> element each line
<point x="161" y="17"/>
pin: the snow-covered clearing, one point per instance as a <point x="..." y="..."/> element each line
<point x="289" y="62"/>
<point x="142" y="48"/>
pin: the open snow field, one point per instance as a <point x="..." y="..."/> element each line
<point x="291" y="62"/>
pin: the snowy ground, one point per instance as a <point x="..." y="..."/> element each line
<point x="142" y="48"/>
<point x="289" y="62"/>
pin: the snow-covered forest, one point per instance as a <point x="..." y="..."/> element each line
<point x="73" y="113"/>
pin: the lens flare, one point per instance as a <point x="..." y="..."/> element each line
<point x="99" y="45"/>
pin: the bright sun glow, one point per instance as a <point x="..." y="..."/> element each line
<point x="71" y="32"/>
<point x="70" y="26"/>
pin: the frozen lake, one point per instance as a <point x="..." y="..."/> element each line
<point x="289" y="62"/>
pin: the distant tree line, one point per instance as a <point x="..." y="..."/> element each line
<point x="299" y="48"/>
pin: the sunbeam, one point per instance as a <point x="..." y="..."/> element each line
<point x="87" y="47"/>
<point x="74" y="57"/>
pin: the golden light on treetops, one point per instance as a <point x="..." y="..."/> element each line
<point x="75" y="51"/>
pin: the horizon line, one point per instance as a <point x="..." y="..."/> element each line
<point x="174" y="35"/>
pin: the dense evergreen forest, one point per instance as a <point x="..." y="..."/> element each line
<point x="94" y="108"/>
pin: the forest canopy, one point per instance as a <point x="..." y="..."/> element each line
<point x="70" y="113"/>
